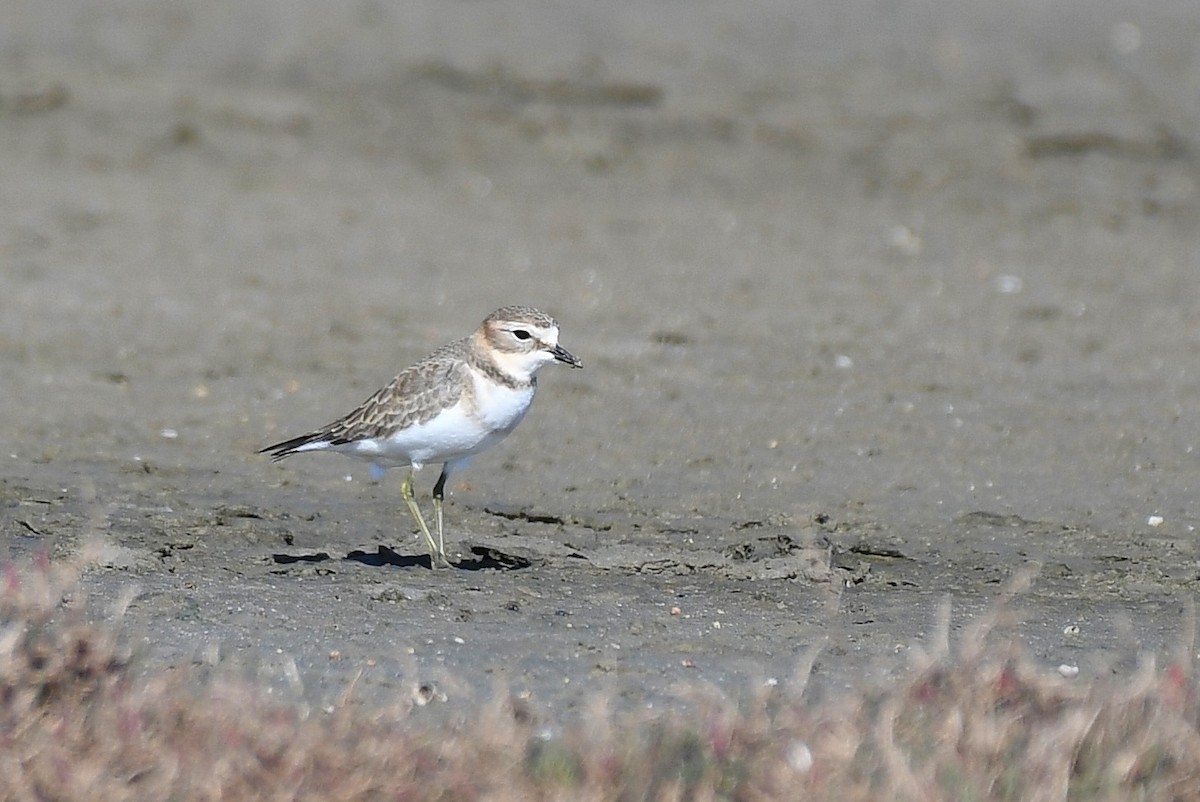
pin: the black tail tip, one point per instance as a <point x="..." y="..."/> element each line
<point x="278" y="451"/>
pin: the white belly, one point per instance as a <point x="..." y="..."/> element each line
<point x="458" y="432"/>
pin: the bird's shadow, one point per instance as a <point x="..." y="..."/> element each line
<point x="485" y="559"/>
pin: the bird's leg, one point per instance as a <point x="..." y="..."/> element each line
<point x="439" y="492"/>
<point x="406" y="492"/>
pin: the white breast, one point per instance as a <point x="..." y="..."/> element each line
<point x="498" y="407"/>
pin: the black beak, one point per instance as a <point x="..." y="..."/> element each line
<point x="566" y="357"/>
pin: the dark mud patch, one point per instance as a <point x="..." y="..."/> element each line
<point x="483" y="559"/>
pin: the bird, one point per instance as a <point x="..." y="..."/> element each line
<point x="462" y="398"/>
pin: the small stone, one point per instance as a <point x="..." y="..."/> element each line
<point x="799" y="757"/>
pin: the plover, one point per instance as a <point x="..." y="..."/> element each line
<point x="464" y="397"/>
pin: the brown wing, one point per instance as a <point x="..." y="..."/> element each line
<point x="415" y="396"/>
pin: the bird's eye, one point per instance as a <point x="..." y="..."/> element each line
<point x="521" y="334"/>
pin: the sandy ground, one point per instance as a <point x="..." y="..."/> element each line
<point x="879" y="304"/>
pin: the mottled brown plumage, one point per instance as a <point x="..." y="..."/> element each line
<point x="415" y="396"/>
<point x="462" y="398"/>
<point x="423" y="390"/>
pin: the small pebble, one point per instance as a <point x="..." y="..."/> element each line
<point x="799" y="757"/>
<point x="1008" y="285"/>
<point x="905" y="240"/>
<point x="1068" y="671"/>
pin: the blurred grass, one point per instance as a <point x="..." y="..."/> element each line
<point x="82" y="717"/>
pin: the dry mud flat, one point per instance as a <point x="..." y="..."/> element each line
<point x="865" y="326"/>
<point x="554" y="611"/>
